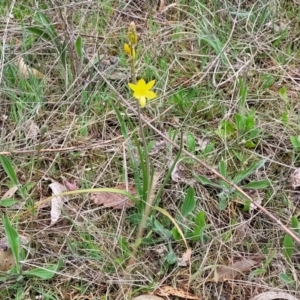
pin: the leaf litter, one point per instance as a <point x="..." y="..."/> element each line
<point x="10" y="193"/>
<point x="167" y="291"/>
<point x="26" y="71"/>
<point x="185" y="259"/>
<point x="57" y="201"/>
<point x="274" y="295"/>
<point x="114" y="200"/>
<point x="225" y="273"/>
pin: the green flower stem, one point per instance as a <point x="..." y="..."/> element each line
<point x="147" y="208"/>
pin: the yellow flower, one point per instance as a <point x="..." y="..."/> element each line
<point x="132" y="36"/>
<point x="129" y="50"/>
<point x="142" y="91"/>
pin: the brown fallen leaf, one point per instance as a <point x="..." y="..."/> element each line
<point x="224" y="273"/>
<point x="180" y="174"/>
<point x="162" y="5"/>
<point x="166" y="291"/>
<point x="147" y="297"/>
<point x="26" y="71"/>
<point x="114" y="200"/>
<point x="274" y="295"/>
<point x="10" y="193"/>
<point x="58" y="201"/>
<point x="186" y="258"/>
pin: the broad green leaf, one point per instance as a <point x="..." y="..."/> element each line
<point x="250" y="121"/>
<point x="223" y="168"/>
<point x="171" y="257"/>
<point x="242" y="175"/>
<point x="205" y="181"/>
<point x="189" y="202"/>
<point x="247" y="205"/>
<point x="46" y="272"/>
<point x="295" y="140"/>
<point x="8" y="202"/>
<point x="9" y="170"/>
<point x="288" y="246"/>
<point x="223" y="201"/>
<point x="200" y="219"/>
<point x="45" y="22"/>
<point x="12" y="239"/>
<point x="257" y="272"/>
<point x="40" y="32"/>
<point x="78" y="47"/>
<point x="198" y="234"/>
<point x="176" y="235"/>
<point x="295" y="225"/>
<point x="285" y="118"/>
<point x="240" y="123"/>
<point x="250" y="145"/>
<point x="286" y="279"/>
<point x="225" y="129"/>
<point x="191" y="142"/>
<point x="260" y="184"/>
<point x="158" y="227"/>
<point x="283" y="94"/>
<point x="209" y="147"/>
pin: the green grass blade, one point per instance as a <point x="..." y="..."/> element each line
<point x="49" y="28"/>
<point x="122" y="123"/>
<point x="255" y="166"/>
<point x="40" y="32"/>
<point x="13" y="240"/>
<point x="9" y="170"/>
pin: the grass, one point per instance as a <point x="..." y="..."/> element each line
<point x="226" y="76"/>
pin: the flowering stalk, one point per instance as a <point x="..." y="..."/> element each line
<point x="142" y="92"/>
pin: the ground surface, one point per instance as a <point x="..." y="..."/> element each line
<point x="227" y="76"/>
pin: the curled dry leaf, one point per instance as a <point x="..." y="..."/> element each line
<point x="114" y="200"/>
<point x="224" y="273"/>
<point x="26" y="71"/>
<point x="274" y="295"/>
<point x="186" y="258"/>
<point x="58" y="201"/>
<point x="147" y="297"/>
<point x="180" y="174"/>
<point x="295" y="178"/>
<point x="10" y="193"/>
<point x="167" y="291"/>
